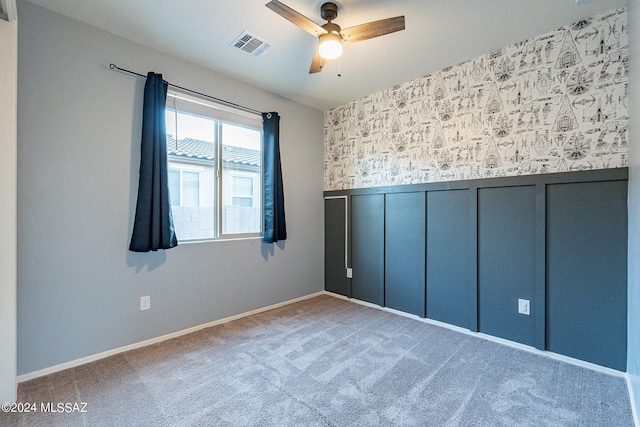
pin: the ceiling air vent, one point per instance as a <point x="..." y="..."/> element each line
<point x="250" y="44"/>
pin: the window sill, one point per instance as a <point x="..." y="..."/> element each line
<point x="230" y="239"/>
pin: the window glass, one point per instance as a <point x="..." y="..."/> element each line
<point x="214" y="155"/>
<point x="242" y="191"/>
<point x="241" y="162"/>
<point x="242" y="186"/>
<point x="191" y="188"/>
<point x="174" y="187"/>
<point x="244" y="202"/>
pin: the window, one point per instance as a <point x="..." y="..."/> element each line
<point x="184" y="187"/>
<point x="242" y="191"/>
<point x="214" y="154"/>
<point x="174" y="187"/>
<point x="190" y="188"/>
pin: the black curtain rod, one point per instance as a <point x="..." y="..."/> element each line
<point x="222" y="101"/>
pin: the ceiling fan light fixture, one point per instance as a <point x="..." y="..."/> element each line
<point x="330" y="35"/>
<point x="330" y="46"/>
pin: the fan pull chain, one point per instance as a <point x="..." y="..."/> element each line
<point x="339" y="66"/>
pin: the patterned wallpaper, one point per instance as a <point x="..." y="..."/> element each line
<point x="554" y="103"/>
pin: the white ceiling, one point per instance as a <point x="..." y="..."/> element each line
<point x="438" y="34"/>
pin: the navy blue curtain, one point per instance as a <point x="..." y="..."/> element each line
<point x="153" y="226"/>
<point x="274" y="223"/>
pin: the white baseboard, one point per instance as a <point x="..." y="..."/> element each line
<point x="491" y="338"/>
<point x="98" y="356"/>
<point x="634" y="408"/>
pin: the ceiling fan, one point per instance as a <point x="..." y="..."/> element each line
<point x="330" y="35"/>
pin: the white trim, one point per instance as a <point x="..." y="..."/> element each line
<point x="217" y="110"/>
<point x="253" y="236"/>
<point x="342" y="297"/>
<point x="549" y="354"/>
<point x="98" y="356"/>
<point x="634" y="409"/>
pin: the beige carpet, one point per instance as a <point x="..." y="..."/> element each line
<point x="327" y="362"/>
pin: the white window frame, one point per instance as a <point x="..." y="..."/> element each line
<point x="221" y="114"/>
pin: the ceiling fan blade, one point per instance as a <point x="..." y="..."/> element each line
<point x="300" y="20"/>
<point x="372" y="29"/>
<point x="317" y="63"/>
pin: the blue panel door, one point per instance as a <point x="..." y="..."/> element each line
<point x="367" y="248"/>
<point x="405" y="252"/>
<point x="448" y="256"/>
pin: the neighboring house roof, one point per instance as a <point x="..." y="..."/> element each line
<point x="190" y="148"/>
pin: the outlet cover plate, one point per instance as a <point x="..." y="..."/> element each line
<point x="524" y="306"/>
<point x="145" y="302"/>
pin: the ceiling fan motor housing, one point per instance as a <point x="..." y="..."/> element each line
<point x="329" y="11"/>
<point x="330" y="27"/>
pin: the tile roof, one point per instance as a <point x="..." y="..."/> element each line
<point x="204" y="150"/>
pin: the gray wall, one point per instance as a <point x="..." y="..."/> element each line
<point x="8" y="147"/>
<point x="78" y="156"/>
<point x="633" y="327"/>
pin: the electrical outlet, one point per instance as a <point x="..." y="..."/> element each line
<point x="524" y="306"/>
<point x="349" y="273"/>
<point x="145" y="302"/>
